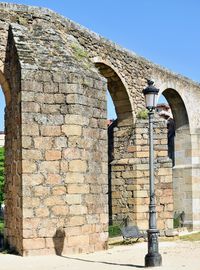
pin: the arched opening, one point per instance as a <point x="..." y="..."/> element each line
<point x="119" y="138"/>
<point x="164" y="111"/>
<point x="118" y="94"/>
<point x="111" y="112"/>
<point x="181" y="159"/>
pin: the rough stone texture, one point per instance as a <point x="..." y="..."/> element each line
<point x="129" y="174"/>
<point x="54" y="74"/>
<point x="13" y="164"/>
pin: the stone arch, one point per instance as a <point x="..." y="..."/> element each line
<point x="182" y="170"/>
<point x="119" y="138"/>
<point x="6" y="89"/>
<point x="118" y="90"/>
<point x="177" y="106"/>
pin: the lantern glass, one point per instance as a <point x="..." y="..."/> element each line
<point x="151" y="100"/>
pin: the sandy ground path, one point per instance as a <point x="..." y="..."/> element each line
<point x="177" y="255"/>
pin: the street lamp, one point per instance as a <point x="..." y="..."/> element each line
<point x="152" y="258"/>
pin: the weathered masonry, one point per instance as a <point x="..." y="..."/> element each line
<point x="54" y="74"/>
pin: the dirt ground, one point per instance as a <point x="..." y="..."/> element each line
<point x="176" y="255"/>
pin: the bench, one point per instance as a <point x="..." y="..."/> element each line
<point x="131" y="232"/>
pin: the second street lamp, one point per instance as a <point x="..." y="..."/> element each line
<point x="152" y="258"/>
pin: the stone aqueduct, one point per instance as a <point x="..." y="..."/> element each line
<point x="54" y="74"/>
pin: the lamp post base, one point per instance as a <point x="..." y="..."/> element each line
<point x="154" y="259"/>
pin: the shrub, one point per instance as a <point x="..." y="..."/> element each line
<point x="143" y="114"/>
<point x="114" y="230"/>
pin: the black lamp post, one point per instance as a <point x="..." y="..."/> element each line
<point x="152" y="258"/>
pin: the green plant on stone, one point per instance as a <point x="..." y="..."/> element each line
<point x="79" y="52"/>
<point x="143" y="114"/>
<point x="81" y="55"/>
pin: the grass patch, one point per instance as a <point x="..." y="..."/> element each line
<point x="1" y="225"/>
<point x="143" y="114"/>
<point x="114" y="230"/>
<point x="191" y="237"/>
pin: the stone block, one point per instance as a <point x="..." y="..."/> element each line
<point x="72" y="153"/>
<point x="53" y="179"/>
<point x="36" y="243"/>
<point x="50" y="130"/>
<point x="30" y="130"/>
<point x="29" y="234"/>
<point x="78" y="188"/>
<point x="78" y="240"/>
<point x="32" y="107"/>
<point x="42" y="212"/>
<point x="73" y="231"/>
<point x="54" y="200"/>
<point x="140" y="194"/>
<point x="58" y="190"/>
<point x="72" y="130"/>
<point x="32" y="179"/>
<point x="60" y="210"/>
<point x="49" y="167"/>
<point x="29" y="166"/>
<point x="31" y="202"/>
<point x="31" y="223"/>
<point x="28" y="213"/>
<point x="162" y="154"/>
<point x="104" y="218"/>
<point x="74" y="199"/>
<point x="75" y="119"/>
<point x="33" y="86"/>
<point x="40" y="191"/>
<point x="60" y="142"/>
<point x="52" y="155"/>
<point x="43" y="142"/>
<point x="39" y="252"/>
<point x="74" y="177"/>
<point x="142" y="154"/>
<point x="27" y="142"/>
<point x="50" y="87"/>
<point x="76" y="221"/>
<point x="78" y="166"/>
<point x="31" y="154"/>
<point x="50" y="108"/>
<point x="77" y="209"/>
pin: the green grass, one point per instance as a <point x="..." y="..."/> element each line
<point x="114" y="230"/>
<point x="176" y="223"/>
<point x="191" y="237"/>
<point x="1" y="225"/>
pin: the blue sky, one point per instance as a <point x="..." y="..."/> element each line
<point x="163" y="31"/>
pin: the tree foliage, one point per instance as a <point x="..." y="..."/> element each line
<point x="1" y="175"/>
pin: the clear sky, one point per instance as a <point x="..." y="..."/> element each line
<point x="163" y="31"/>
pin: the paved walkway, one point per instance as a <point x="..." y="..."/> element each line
<point x="176" y="255"/>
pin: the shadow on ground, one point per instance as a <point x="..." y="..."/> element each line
<point x="102" y="262"/>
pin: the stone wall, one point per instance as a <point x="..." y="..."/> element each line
<point x="13" y="154"/>
<point x="130" y="177"/>
<point x="64" y="162"/>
